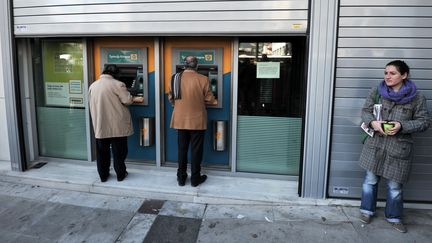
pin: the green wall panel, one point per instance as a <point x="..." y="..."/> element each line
<point x="62" y="133"/>
<point x="269" y="144"/>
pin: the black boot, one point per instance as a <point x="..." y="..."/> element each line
<point x="181" y="180"/>
<point x="121" y="178"/>
<point x="199" y="180"/>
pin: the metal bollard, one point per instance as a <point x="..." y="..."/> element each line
<point x="219" y="135"/>
<point x="146" y="131"/>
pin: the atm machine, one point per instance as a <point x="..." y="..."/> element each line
<point x="132" y="64"/>
<point x="209" y="64"/>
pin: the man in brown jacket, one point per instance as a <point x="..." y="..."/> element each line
<point x="108" y="99"/>
<point x="189" y="94"/>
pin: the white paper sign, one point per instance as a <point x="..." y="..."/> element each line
<point x="268" y="70"/>
<point x="59" y="94"/>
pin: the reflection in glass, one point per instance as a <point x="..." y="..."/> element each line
<point x="278" y="95"/>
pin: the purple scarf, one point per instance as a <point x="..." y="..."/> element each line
<point x="406" y="94"/>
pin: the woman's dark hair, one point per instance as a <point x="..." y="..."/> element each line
<point x="401" y="66"/>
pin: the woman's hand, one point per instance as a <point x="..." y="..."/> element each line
<point x="377" y="126"/>
<point x="394" y="130"/>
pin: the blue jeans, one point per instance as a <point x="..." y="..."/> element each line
<point x="394" y="204"/>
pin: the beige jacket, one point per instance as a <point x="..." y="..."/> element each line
<point x="190" y="111"/>
<point x="108" y="99"/>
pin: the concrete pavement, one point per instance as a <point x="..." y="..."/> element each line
<point x="36" y="209"/>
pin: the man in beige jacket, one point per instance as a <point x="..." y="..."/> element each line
<point x="189" y="94"/>
<point x="108" y="99"/>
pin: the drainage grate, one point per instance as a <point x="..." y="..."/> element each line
<point x="151" y="206"/>
<point x="38" y="165"/>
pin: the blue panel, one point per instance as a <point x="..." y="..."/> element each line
<point x="211" y="157"/>
<point x="136" y="152"/>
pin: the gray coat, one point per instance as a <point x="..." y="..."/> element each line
<point x="391" y="156"/>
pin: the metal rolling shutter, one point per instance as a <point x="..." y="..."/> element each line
<point x="372" y="33"/>
<point x="168" y="17"/>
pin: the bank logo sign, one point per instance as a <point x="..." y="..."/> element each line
<point x="204" y="57"/>
<point x="129" y="55"/>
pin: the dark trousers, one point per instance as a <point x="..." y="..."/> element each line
<point x="103" y="155"/>
<point x="196" y="139"/>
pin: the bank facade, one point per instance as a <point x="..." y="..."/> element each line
<point x="290" y="77"/>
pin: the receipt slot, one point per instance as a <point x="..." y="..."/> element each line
<point x="219" y="135"/>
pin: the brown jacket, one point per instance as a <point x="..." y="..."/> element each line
<point x="190" y="111"/>
<point x="108" y="99"/>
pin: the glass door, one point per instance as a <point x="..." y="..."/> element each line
<point x="271" y="88"/>
<point x="60" y="98"/>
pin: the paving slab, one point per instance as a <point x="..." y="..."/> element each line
<point x="18" y="214"/>
<point x="418" y="223"/>
<point x="381" y="231"/>
<point x="182" y="209"/>
<point x="247" y="231"/>
<point x="255" y="189"/>
<point x="57" y="222"/>
<point x="169" y="229"/>
<point x="11" y="237"/>
<point x="27" y="191"/>
<point x="247" y="212"/>
<point x="137" y="228"/>
<point x="93" y="200"/>
<point x="418" y="217"/>
<point x="300" y="213"/>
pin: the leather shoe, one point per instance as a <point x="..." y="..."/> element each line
<point x="104" y="179"/>
<point x="122" y="177"/>
<point x="200" y="180"/>
<point x="399" y="226"/>
<point x="181" y="180"/>
<point x="365" y="218"/>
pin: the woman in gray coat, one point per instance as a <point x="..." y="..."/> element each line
<point x="388" y="153"/>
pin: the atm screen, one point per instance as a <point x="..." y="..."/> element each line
<point x="127" y="75"/>
<point x="132" y="76"/>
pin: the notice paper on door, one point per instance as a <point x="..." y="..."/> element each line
<point x="268" y="70"/>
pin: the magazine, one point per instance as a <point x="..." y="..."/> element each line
<point x="369" y="131"/>
<point x="377" y="113"/>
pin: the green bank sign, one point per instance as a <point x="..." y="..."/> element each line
<point x="123" y="56"/>
<point x="204" y="57"/>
